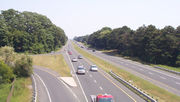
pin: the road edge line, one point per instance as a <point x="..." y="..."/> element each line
<point x="44" y="86"/>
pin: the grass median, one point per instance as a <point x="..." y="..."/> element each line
<point x="54" y="62"/>
<point x="158" y="93"/>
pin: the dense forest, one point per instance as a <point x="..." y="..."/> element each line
<point x="29" y="32"/>
<point x="152" y="45"/>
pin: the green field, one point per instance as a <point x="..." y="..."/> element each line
<point x="54" y="62"/>
<point x="158" y="93"/>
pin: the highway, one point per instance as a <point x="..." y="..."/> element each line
<point x="51" y="89"/>
<point x="94" y="83"/>
<point x="166" y="80"/>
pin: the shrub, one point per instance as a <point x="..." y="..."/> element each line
<point x="6" y="73"/>
<point x="23" y="66"/>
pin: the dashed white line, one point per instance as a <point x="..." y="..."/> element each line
<point x="178" y="83"/>
<point x="90" y="75"/>
<point x="95" y="81"/>
<point x="150" y="73"/>
<point x="101" y="88"/>
<point x="140" y="69"/>
<point x="162" y="77"/>
<point x="77" y="78"/>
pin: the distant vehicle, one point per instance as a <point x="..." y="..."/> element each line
<point x="80" y="57"/>
<point x="74" y="60"/>
<point x="81" y="70"/>
<point x="102" y="98"/>
<point x="69" y="52"/>
<point x="93" y="68"/>
<point x="93" y="50"/>
<point x="82" y="46"/>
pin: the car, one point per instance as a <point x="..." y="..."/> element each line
<point x="80" y="57"/>
<point x="81" y="70"/>
<point x="93" y="68"/>
<point x="74" y="60"/>
<point x="93" y="50"/>
<point x="69" y="52"/>
<point x="102" y="98"/>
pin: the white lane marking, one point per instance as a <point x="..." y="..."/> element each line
<point x="87" y="71"/>
<point x="69" y="89"/>
<point x="140" y="69"/>
<point x="45" y="87"/>
<point x="90" y="75"/>
<point x="150" y="73"/>
<point x="95" y="81"/>
<point x="141" y="65"/>
<point x="162" y="77"/>
<point x="178" y="83"/>
<point x="35" y="88"/>
<point x="101" y="88"/>
<point x="77" y="78"/>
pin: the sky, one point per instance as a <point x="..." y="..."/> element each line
<point x="82" y="17"/>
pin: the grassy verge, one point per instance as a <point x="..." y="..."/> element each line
<point x="22" y="92"/>
<point x="154" y="91"/>
<point x="54" y="62"/>
<point x="4" y="91"/>
<point x="114" y="53"/>
<point x="169" y="67"/>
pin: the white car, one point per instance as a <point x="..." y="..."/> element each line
<point x="74" y="60"/>
<point x="93" y="68"/>
<point x="81" y="70"/>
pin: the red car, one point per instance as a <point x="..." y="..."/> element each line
<point x="69" y="52"/>
<point x="102" y="98"/>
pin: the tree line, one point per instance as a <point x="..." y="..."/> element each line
<point x="13" y="65"/>
<point x="152" y="45"/>
<point x="29" y="32"/>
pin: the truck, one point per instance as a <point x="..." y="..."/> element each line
<point x="102" y="98"/>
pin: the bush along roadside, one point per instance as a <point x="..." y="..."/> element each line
<point x="13" y="65"/>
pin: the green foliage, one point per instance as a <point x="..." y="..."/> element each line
<point x="158" y="46"/>
<point x="7" y="54"/>
<point x="23" y="66"/>
<point x="6" y="73"/>
<point x="29" y="32"/>
<point x="19" y="65"/>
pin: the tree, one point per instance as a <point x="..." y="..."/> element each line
<point x="26" y="31"/>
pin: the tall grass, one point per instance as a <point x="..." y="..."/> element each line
<point x="54" y="62"/>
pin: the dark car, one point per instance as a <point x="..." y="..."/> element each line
<point x="80" y="57"/>
<point x="93" y="50"/>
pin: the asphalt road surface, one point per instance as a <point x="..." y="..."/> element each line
<point x="51" y="89"/>
<point x="94" y="83"/>
<point x="166" y="80"/>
